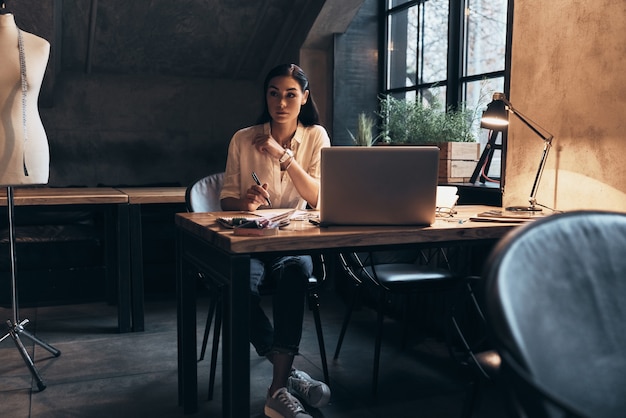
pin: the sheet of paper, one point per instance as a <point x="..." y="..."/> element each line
<point x="447" y="196"/>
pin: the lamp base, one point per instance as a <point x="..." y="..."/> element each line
<point x="523" y="209"/>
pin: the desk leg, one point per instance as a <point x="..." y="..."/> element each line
<point x="116" y="253"/>
<point x="136" y="266"/>
<point x="192" y="254"/>
<point x="179" y="319"/>
<point x="236" y="340"/>
<point x="123" y="270"/>
<point x="186" y="333"/>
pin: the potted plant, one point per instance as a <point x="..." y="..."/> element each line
<point x="364" y="136"/>
<point x="414" y="122"/>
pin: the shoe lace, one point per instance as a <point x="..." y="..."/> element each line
<point x="290" y="402"/>
<point x="301" y="385"/>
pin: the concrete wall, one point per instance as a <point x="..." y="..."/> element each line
<point x="356" y="75"/>
<point x="567" y="74"/>
<point x="151" y="92"/>
<point x="135" y="129"/>
<point x="143" y="93"/>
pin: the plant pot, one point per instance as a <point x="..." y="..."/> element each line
<point x="457" y="161"/>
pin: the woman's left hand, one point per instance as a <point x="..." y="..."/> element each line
<point x="264" y="143"/>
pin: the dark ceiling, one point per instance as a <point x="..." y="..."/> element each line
<point x="218" y="38"/>
<point x="236" y="39"/>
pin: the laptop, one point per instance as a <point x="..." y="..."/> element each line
<point x="379" y="185"/>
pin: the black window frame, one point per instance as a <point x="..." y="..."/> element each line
<point x="455" y="81"/>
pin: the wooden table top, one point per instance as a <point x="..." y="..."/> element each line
<point x="45" y="196"/>
<point x="302" y="235"/>
<point x="139" y="195"/>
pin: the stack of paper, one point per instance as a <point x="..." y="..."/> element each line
<point x="256" y="223"/>
<point x="507" y="216"/>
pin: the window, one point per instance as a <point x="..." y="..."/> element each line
<point x="448" y="52"/>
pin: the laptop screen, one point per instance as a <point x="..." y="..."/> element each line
<point x="380" y="185"/>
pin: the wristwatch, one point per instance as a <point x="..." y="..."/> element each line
<point x="287" y="155"/>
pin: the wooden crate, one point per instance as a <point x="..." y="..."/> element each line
<point x="457" y="161"/>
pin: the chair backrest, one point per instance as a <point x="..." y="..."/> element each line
<point x="204" y="195"/>
<point x="556" y="305"/>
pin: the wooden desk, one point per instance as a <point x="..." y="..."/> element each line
<point x="138" y="196"/>
<point x="48" y="196"/>
<point x="152" y="195"/>
<point x="116" y="230"/>
<point x="205" y="246"/>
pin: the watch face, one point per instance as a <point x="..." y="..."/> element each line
<point x="288" y="154"/>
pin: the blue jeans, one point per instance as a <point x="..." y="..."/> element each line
<point x="288" y="277"/>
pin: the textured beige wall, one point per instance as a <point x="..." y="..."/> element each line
<point x="568" y="74"/>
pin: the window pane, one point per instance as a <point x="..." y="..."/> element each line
<point x="477" y="95"/>
<point x="399" y="51"/>
<point x="394" y="3"/>
<point x="406" y="95"/>
<point x="485" y="37"/>
<point x="418" y="45"/>
<point x="432" y="26"/>
<point x="434" y="97"/>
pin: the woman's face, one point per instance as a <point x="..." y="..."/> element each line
<point x="284" y="98"/>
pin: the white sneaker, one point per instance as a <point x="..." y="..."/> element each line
<point x="284" y="405"/>
<point x="311" y="391"/>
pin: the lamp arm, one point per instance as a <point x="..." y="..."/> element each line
<point x="547" y="140"/>
<point x="533" y="126"/>
<point x="544" y="156"/>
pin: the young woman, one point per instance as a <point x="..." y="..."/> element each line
<point x="284" y="151"/>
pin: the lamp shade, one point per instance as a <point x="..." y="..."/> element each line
<point x="495" y="117"/>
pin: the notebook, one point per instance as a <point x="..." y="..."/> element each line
<point x="380" y="185"/>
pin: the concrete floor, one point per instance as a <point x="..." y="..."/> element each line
<point x="101" y="373"/>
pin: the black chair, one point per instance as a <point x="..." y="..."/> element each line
<point x="387" y="279"/>
<point x="204" y="196"/>
<point x="469" y="344"/>
<point x="556" y="308"/>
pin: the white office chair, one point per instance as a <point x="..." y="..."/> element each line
<point x="204" y="194"/>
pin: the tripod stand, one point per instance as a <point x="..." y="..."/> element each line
<point x="16" y="327"/>
<point x="486" y="158"/>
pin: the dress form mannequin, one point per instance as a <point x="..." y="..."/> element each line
<point x="24" y="155"/>
<point x="15" y="151"/>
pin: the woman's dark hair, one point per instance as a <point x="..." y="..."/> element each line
<point x="308" y="112"/>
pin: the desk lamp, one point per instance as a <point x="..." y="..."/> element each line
<point x="496" y="118"/>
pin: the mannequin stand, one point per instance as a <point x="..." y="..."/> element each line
<point x="16" y="327"/>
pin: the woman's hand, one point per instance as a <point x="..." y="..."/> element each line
<point x="257" y="196"/>
<point x="264" y="143"/>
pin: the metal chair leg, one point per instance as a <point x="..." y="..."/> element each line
<point x="217" y="328"/>
<point x="209" y="319"/>
<point x="215" y="316"/>
<point x="379" y="338"/>
<point x="346" y="320"/>
<point x="315" y="307"/>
